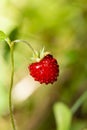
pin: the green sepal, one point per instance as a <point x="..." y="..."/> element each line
<point x="37" y="56"/>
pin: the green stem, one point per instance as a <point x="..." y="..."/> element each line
<point x="27" y="43"/>
<point x="79" y="102"/>
<point x="11" y="85"/>
<point x="11" y="44"/>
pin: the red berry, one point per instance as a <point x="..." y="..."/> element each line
<point x="46" y="70"/>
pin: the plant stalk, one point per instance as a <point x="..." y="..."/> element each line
<point x="27" y="43"/>
<point x="11" y="85"/>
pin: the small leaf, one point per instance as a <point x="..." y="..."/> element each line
<point x="63" y="116"/>
<point x="2" y="36"/>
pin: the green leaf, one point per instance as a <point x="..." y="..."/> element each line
<point x="2" y="36"/>
<point x="63" y="116"/>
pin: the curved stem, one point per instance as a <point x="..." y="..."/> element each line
<point x="11" y="85"/>
<point x="27" y="43"/>
<point x="11" y="44"/>
<point x="79" y="102"/>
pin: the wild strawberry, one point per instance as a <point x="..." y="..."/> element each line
<point x="46" y="70"/>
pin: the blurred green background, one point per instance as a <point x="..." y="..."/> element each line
<point x="61" y="27"/>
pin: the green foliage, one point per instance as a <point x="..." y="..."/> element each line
<point x="2" y="36"/>
<point x="63" y="116"/>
